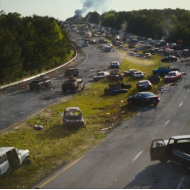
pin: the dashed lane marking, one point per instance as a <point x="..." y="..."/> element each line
<point x="137" y="156"/>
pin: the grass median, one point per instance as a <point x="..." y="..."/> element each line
<point x="55" y="144"/>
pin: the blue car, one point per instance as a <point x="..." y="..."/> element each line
<point x="114" y="64"/>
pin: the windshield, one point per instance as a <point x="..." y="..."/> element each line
<point x="171" y="74"/>
<point x="73" y="113"/>
<point x="144" y="82"/>
<point x="100" y="74"/>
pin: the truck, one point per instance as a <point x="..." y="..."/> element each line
<point x="12" y="159"/>
<point x="164" y="70"/>
<point x="175" y="149"/>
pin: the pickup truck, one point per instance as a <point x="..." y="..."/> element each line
<point x="11" y="159"/>
<point x="164" y="70"/>
<point x="176" y="149"/>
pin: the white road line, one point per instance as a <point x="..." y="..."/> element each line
<point x="186" y="96"/>
<point x="166" y="123"/>
<point x="84" y="60"/>
<point x="12" y="116"/>
<point x="182" y="179"/>
<point x="180" y="104"/>
<point x="137" y="155"/>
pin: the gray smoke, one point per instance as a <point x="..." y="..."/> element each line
<point x="167" y="27"/>
<point x="123" y="29"/>
<point x="93" y="5"/>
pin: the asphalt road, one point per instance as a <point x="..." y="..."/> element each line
<point x="123" y="160"/>
<point x="19" y="105"/>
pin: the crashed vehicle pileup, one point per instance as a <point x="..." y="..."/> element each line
<point x="73" y="117"/>
<point x="73" y="84"/>
<point x="40" y="83"/>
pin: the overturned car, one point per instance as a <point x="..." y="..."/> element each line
<point x="73" y="117"/>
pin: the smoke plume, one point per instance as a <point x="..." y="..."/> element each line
<point x="167" y="27"/>
<point x="93" y="5"/>
<point x="123" y="28"/>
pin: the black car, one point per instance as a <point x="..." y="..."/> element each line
<point x="169" y="59"/>
<point x="144" y="98"/>
<point x="144" y="85"/>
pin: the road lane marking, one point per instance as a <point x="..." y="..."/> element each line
<point x="186" y="96"/>
<point x="137" y="156"/>
<point x="182" y="179"/>
<point x="180" y="104"/>
<point x="74" y="162"/>
<point x="61" y="171"/>
<point x="166" y="123"/>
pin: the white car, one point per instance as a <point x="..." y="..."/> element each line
<point x="100" y="75"/>
<point x="11" y="159"/>
<point x="103" y="46"/>
<point x="138" y="74"/>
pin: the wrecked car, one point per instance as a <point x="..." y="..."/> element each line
<point x="144" y="85"/>
<point x="42" y="82"/>
<point x="73" y="117"/>
<point x="114" y="64"/>
<point x="154" y="79"/>
<point x="12" y="159"/>
<point x="115" y="75"/>
<point x="138" y="74"/>
<point x="72" y="72"/>
<point x="129" y="72"/>
<point x="175" y="149"/>
<point x="172" y="76"/>
<point x="73" y="84"/>
<point x="100" y="75"/>
<point x="117" y="89"/>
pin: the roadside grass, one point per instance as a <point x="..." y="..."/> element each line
<point x="55" y="144"/>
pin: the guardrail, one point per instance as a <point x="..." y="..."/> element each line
<point x="33" y="77"/>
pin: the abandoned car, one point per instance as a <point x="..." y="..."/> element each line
<point x="144" y="98"/>
<point x="72" y="72"/>
<point x="114" y="64"/>
<point x="144" y="85"/>
<point x="115" y="75"/>
<point x="100" y="75"/>
<point x="42" y="82"/>
<point x="73" y="117"/>
<point x="73" y="84"/>
<point x="12" y="159"/>
<point x="117" y="89"/>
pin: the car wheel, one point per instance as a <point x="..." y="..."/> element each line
<point x="130" y="102"/>
<point x="163" y="161"/>
<point x="76" y="90"/>
<point x="27" y="161"/>
<point x="155" y="104"/>
<point x="142" y="103"/>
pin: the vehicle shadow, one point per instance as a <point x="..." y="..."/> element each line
<point x="158" y="176"/>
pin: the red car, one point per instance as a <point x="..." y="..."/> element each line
<point x="172" y="76"/>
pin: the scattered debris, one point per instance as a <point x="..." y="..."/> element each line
<point x="38" y="127"/>
<point x="60" y="114"/>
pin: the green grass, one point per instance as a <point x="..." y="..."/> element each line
<point x="55" y="144"/>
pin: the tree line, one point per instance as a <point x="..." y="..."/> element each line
<point x="30" y="45"/>
<point x="168" y="24"/>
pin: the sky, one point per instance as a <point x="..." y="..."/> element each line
<point x="63" y="9"/>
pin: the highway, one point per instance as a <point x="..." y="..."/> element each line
<point x="123" y="160"/>
<point x="19" y="105"/>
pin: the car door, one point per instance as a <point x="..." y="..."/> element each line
<point x="158" y="150"/>
<point x="4" y="164"/>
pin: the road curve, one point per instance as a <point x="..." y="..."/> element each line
<point x="22" y="104"/>
<point x="123" y="160"/>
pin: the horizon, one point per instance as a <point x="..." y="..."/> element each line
<point x="62" y="10"/>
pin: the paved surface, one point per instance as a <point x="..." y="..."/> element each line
<point x="18" y="105"/>
<point x="123" y="160"/>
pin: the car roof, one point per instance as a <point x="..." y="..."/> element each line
<point x="3" y="150"/>
<point x="72" y="109"/>
<point x="180" y="137"/>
